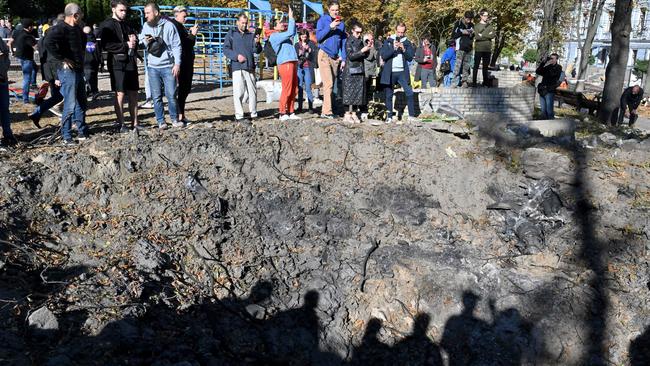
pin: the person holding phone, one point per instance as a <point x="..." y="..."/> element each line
<point x="331" y="36"/>
<point x="397" y="52"/>
<point x="118" y="39"/>
<point x="188" y="39"/>
<point x="287" y="60"/>
<point x="464" y="36"/>
<point x="240" y="47"/>
<point x="551" y="73"/>
<point x="425" y="56"/>
<point x="485" y="33"/>
<point x="354" y="83"/>
<point x="307" y="52"/>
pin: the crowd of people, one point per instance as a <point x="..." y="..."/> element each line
<point x="352" y="66"/>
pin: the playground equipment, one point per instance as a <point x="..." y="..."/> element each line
<point x="211" y="65"/>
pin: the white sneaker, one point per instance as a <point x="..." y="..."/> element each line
<point x="294" y="117"/>
<point x="178" y="124"/>
<point x="364" y="116"/>
<point x="284" y="117"/>
<point x="146" y="105"/>
<point x="389" y="120"/>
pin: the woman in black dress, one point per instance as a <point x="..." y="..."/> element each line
<point x="354" y="83"/>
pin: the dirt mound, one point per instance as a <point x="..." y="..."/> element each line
<point x="316" y="243"/>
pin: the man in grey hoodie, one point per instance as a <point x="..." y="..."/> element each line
<point x="163" y="50"/>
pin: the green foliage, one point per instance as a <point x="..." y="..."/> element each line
<point x="592" y="60"/>
<point x="531" y="55"/>
<point x="640" y="68"/>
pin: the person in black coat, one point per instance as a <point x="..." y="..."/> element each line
<point x="92" y="59"/>
<point x="630" y="99"/>
<point x="396" y="52"/>
<point x="188" y="39"/>
<point x="307" y="60"/>
<point x="551" y="73"/>
<point x="354" y="79"/>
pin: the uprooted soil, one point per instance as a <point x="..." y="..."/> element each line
<point x="322" y="243"/>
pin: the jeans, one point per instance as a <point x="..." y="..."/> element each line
<point x="5" y="118"/>
<point x="546" y="105"/>
<point x="461" y="68"/>
<point x="304" y="83"/>
<point x="29" y="76"/>
<point x="54" y="99"/>
<point x="484" y="58"/>
<point x="159" y="79"/>
<point x="73" y="89"/>
<point x="401" y="78"/>
<point x="428" y="75"/>
<point x="447" y="79"/>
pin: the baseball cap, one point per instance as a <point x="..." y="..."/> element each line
<point x="180" y="8"/>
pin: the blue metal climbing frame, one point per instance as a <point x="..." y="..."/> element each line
<point x="211" y="65"/>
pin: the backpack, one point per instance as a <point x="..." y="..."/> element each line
<point x="445" y="67"/>
<point x="269" y="54"/>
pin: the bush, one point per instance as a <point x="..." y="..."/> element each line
<point x="531" y="55"/>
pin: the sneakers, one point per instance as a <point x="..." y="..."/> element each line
<point x="284" y="117"/>
<point x="242" y="120"/>
<point x="82" y="137"/>
<point x="348" y="118"/>
<point x="389" y="120"/>
<point x="69" y="142"/>
<point x="293" y="116"/>
<point x="364" y="116"/>
<point x="36" y="118"/>
<point x="148" y="104"/>
<point x="327" y="116"/>
<point x="178" y="124"/>
<point x="162" y="127"/>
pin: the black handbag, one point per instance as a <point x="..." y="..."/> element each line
<point x="156" y="47"/>
<point x="356" y="70"/>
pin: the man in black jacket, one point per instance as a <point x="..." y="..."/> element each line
<point x="397" y="52"/>
<point x="630" y="99"/>
<point x="119" y="40"/>
<point x="49" y="72"/>
<point x="24" y="42"/>
<point x="551" y="73"/>
<point x="92" y="60"/>
<point x="65" y="45"/>
<point x="239" y="46"/>
<point x="188" y="39"/>
<point x="464" y="35"/>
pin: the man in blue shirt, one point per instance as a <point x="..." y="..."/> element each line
<point x="331" y="36"/>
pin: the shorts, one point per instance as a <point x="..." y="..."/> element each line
<point x="124" y="80"/>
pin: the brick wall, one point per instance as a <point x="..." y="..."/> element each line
<point x="512" y="104"/>
<point x="507" y="78"/>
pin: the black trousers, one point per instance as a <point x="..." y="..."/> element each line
<point x="91" y="80"/>
<point x="483" y="57"/>
<point x="184" y="84"/>
<point x="621" y="111"/>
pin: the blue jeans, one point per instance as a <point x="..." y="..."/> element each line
<point x="401" y="78"/>
<point x="54" y="99"/>
<point x="546" y="105"/>
<point x="73" y="89"/>
<point x="447" y="79"/>
<point x="159" y="79"/>
<point x="29" y="76"/>
<point x="5" y="118"/>
<point x="304" y="82"/>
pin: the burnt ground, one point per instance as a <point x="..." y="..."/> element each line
<point x="321" y="243"/>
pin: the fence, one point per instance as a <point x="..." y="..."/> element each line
<point x="211" y="65"/>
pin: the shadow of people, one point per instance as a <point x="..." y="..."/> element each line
<point x="371" y="350"/>
<point x="417" y="348"/>
<point x="511" y="338"/>
<point x="639" y="349"/>
<point x="463" y="334"/>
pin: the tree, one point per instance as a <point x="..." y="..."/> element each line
<point x="615" y="73"/>
<point x="556" y="15"/>
<point x="511" y="19"/>
<point x="585" y="51"/>
<point x="531" y="55"/>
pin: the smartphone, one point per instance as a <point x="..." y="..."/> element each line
<point x="338" y="18"/>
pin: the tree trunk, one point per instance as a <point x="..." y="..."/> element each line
<point x="585" y="51"/>
<point x="499" y="43"/>
<point x="545" y="36"/>
<point x="617" y="66"/>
